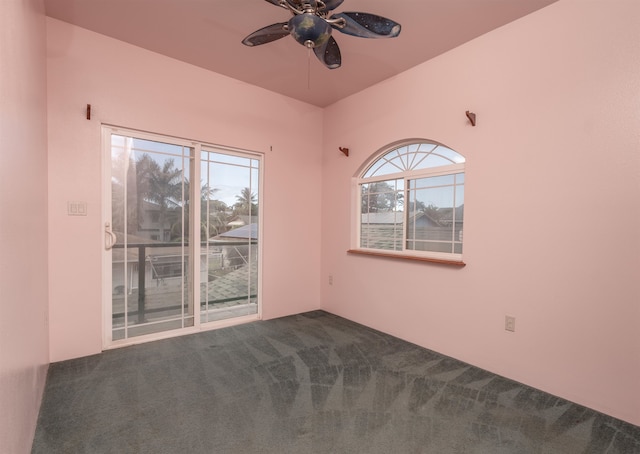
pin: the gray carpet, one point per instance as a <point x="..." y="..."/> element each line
<point x="310" y="383"/>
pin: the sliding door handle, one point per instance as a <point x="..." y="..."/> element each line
<point x="110" y="238"/>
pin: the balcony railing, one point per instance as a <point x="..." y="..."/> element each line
<point x="167" y="263"/>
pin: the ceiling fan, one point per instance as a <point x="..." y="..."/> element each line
<point x="311" y="26"/>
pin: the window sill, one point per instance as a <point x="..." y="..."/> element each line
<point x="407" y="257"/>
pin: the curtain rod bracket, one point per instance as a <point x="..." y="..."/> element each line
<point x="88" y="111"/>
<point x="472" y="117"/>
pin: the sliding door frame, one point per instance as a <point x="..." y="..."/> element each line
<point x="194" y="233"/>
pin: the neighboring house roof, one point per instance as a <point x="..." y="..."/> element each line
<point x="446" y="214"/>
<point x="232" y="285"/>
<point x="383" y="217"/>
<point x="242" y="219"/>
<point x="241" y="233"/>
<point x="397" y="217"/>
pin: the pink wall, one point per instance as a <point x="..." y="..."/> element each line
<point x="134" y="88"/>
<point x="24" y="347"/>
<point x="552" y="205"/>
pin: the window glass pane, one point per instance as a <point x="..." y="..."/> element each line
<point x="431" y="217"/>
<point x="433" y="181"/>
<point x="121" y="201"/>
<point x="422" y="147"/>
<point x="227" y="181"/>
<point x="425" y="228"/>
<point x="379" y="235"/>
<point x="230" y="159"/>
<point x="435" y="201"/>
<point x="404" y="158"/>
<point x="429" y="246"/>
<point x="435" y="213"/>
<point x="413" y="157"/>
<point x="159" y="190"/>
<point x="433" y="160"/>
<point x="385" y="167"/>
<point x="255" y="189"/>
<point x="142" y="145"/>
<point x="449" y="154"/>
<point x="371" y="171"/>
<point x="382" y="218"/>
<point x="117" y="141"/>
<point x="459" y="201"/>
<point x="382" y="196"/>
<point x="230" y="219"/>
<point x="150" y="187"/>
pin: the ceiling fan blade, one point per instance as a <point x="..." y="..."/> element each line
<point x="330" y="5"/>
<point x="329" y="54"/>
<point x="267" y="34"/>
<point x="365" y="25"/>
<point x="293" y="3"/>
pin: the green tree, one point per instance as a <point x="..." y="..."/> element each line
<point x="214" y="214"/>
<point x="433" y="212"/>
<point x="134" y="175"/>
<point x="380" y="196"/>
<point x="165" y="190"/>
<point x="215" y="217"/>
<point x="246" y="203"/>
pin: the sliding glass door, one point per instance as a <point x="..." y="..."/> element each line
<point x="229" y="220"/>
<point x="179" y="255"/>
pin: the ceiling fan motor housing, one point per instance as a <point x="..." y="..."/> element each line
<point x="309" y="30"/>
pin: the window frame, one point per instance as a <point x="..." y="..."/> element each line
<point x="408" y="175"/>
<point x="193" y="280"/>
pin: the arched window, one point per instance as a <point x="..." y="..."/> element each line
<point x="412" y="201"/>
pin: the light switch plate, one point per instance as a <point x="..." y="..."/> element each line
<point x="77" y="208"/>
<point x="510" y="323"/>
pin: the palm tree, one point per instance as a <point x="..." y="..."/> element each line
<point x="165" y="190"/>
<point x="214" y="214"/>
<point x="133" y="175"/>
<point x="246" y="203"/>
<point x="144" y="167"/>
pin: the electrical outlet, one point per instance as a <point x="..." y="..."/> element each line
<point x="330" y="279"/>
<point x="510" y="323"/>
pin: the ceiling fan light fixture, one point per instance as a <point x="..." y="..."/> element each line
<point x="309" y="30"/>
<point x="312" y="23"/>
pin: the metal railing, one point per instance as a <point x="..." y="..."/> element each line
<point x="142" y="275"/>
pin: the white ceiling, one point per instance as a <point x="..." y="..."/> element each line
<point x="208" y="33"/>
